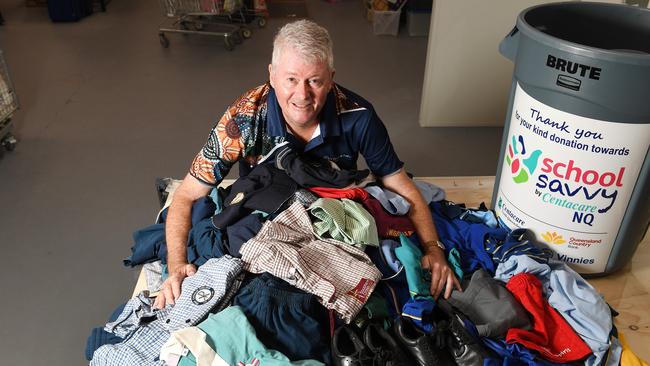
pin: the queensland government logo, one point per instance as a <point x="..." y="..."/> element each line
<point x="553" y="238"/>
<point x="522" y="162"/>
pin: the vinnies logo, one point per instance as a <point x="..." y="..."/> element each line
<point x="522" y="162"/>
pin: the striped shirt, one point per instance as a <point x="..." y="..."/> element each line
<point x="344" y="220"/>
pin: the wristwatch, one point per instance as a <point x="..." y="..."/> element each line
<point x="438" y="243"/>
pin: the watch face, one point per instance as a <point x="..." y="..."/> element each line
<point x="440" y="245"/>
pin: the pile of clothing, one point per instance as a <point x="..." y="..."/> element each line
<point x="303" y="263"/>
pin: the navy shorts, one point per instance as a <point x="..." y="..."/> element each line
<point x="286" y="318"/>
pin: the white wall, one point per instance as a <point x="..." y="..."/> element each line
<point x="466" y="80"/>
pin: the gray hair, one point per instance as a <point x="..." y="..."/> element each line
<point x="307" y="38"/>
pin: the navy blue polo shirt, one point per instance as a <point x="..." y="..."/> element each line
<point x="254" y="124"/>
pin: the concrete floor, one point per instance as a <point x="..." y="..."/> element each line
<point x="105" y="110"/>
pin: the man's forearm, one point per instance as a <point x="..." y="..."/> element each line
<point x="419" y="213"/>
<point x="177" y="228"/>
<point x="421" y="218"/>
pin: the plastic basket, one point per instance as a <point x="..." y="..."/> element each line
<point x="385" y="22"/>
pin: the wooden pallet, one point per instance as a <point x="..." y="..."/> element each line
<point x="36" y="2"/>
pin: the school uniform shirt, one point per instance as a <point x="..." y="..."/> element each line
<point x="340" y="275"/>
<point x="208" y="345"/>
<point x="344" y="220"/>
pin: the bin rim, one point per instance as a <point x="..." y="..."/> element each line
<point x="577" y="48"/>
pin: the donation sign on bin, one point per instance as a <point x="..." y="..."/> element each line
<point x="574" y="165"/>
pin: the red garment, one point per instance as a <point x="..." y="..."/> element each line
<point x="388" y="226"/>
<point x="355" y="194"/>
<point x="551" y="335"/>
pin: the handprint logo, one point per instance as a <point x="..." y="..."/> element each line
<point x="520" y="167"/>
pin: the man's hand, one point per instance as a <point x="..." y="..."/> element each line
<point x="171" y="289"/>
<point x="442" y="277"/>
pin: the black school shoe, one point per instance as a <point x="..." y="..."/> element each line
<point x="348" y="349"/>
<point x="422" y="347"/>
<point x="386" y="351"/>
<point x="464" y="347"/>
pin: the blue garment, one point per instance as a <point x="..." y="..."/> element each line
<point x="410" y="257"/>
<point x="452" y="210"/>
<point x="239" y="345"/>
<point x="503" y="224"/>
<point x="393" y="286"/>
<point x="205" y="242"/>
<point x="388" y="251"/>
<point x="467" y="238"/>
<point x="265" y="188"/>
<point x="241" y="231"/>
<point x="512" y="354"/>
<point x="480" y="217"/>
<point x="150" y="244"/>
<point x="430" y="192"/>
<point x="516" y="243"/>
<point x="479" y="245"/>
<point x="217" y="199"/>
<point x="137" y="312"/>
<point x="201" y="292"/>
<point x="573" y="297"/>
<point x="420" y="311"/>
<point x="392" y="202"/>
<point x="145" y="329"/>
<point x="201" y="208"/>
<point x="454" y="261"/>
<point x="343" y="135"/>
<point x="285" y="318"/>
<point x="140" y="348"/>
<point x="141" y="327"/>
<point x="99" y="337"/>
<point x="613" y="357"/>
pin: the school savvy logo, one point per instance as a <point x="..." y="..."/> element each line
<point x="522" y="162"/>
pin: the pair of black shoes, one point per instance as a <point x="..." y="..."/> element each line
<point x="464" y="347"/>
<point x="425" y="349"/>
<point x="448" y="345"/>
<point x="378" y="348"/>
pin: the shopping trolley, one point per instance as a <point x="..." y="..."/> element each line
<point x="207" y="17"/>
<point x="8" y="105"/>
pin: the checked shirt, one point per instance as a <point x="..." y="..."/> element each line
<point x="341" y="276"/>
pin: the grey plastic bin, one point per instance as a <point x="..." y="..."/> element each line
<point x="574" y="163"/>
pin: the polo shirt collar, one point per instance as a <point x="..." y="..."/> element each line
<point x="274" y="119"/>
<point x="329" y="121"/>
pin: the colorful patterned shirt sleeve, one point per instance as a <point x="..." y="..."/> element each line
<point x="226" y="143"/>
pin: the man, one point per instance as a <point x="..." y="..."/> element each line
<point x="303" y="105"/>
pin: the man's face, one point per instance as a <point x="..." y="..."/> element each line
<point x="301" y="87"/>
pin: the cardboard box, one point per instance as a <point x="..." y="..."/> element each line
<point x="418" y="23"/>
